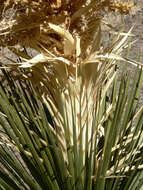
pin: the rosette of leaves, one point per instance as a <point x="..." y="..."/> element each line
<point x="66" y="121"/>
<point x="86" y="143"/>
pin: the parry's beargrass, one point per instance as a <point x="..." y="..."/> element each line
<point x="67" y="121"/>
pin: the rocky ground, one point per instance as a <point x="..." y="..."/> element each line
<point x="136" y="19"/>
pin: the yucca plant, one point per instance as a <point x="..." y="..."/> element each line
<point x="66" y="120"/>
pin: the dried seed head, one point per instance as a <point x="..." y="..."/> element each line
<point x="120" y="6"/>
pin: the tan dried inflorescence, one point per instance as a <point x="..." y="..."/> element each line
<point x="28" y="25"/>
<point x="66" y="33"/>
<point x="120" y="6"/>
